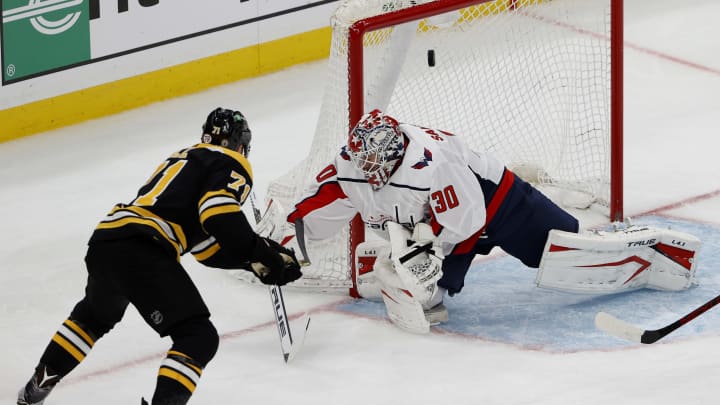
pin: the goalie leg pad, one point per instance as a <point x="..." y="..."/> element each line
<point x="404" y="275"/>
<point x="366" y="280"/>
<point x="402" y="308"/>
<point x="610" y="262"/>
<point x="674" y="265"/>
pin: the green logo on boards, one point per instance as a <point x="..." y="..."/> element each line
<point x="42" y="35"/>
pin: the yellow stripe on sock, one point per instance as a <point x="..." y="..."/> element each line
<point x="194" y="367"/>
<point x="174" y="375"/>
<point x="79" y="356"/>
<point x="72" y="325"/>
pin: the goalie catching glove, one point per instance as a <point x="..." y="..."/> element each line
<point x="406" y="277"/>
<point x="417" y="259"/>
<point x="274" y="264"/>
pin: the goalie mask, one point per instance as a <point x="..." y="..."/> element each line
<point x="376" y="146"/>
<point x="227" y="128"/>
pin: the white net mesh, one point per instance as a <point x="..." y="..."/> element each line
<point x="528" y="80"/>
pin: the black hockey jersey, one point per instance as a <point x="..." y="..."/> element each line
<point x="191" y="203"/>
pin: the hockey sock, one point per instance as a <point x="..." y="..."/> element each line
<point x="195" y="342"/>
<point x="68" y="347"/>
<point x="177" y="378"/>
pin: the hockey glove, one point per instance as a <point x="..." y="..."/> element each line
<point x="273" y="264"/>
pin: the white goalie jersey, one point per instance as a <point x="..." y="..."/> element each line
<point x="438" y="182"/>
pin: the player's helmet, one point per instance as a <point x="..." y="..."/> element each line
<point x="228" y="129"/>
<point x="376" y="146"/>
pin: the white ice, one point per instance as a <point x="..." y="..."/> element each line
<point x="55" y="187"/>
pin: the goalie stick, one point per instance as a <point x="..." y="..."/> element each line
<point x="300" y="236"/>
<point x="288" y="346"/>
<point x="622" y="329"/>
<point x="419" y="249"/>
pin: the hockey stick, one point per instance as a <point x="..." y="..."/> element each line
<point x="622" y="329"/>
<point x="256" y="212"/>
<point x="300" y="236"/>
<point x="287" y="345"/>
<point x="420" y="249"/>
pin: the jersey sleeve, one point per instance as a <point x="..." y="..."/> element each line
<point x="324" y="208"/>
<point x="457" y="205"/>
<point x="227" y="256"/>
<point x="219" y="210"/>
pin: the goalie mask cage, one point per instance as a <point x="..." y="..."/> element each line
<point x="536" y="82"/>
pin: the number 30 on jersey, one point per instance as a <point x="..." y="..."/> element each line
<point x="445" y="199"/>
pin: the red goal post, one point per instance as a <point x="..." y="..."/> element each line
<point x="537" y="82"/>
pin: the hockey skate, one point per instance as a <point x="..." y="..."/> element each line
<point x="437" y="314"/>
<point x="39" y="386"/>
<point x="434" y="310"/>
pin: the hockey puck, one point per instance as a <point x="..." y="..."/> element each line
<point x="431" y="57"/>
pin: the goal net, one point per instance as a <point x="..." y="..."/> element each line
<point x="535" y="82"/>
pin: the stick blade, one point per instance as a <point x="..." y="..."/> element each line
<point x="299" y="338"/>
<point x="617" y="327"/>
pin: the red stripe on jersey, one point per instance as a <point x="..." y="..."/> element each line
<point x="326" y="194"/>
<point x="503" y="188"/>
<point x="434" y="224"/>
<point x="496" y="201"/>
<point x="467" y="245"/>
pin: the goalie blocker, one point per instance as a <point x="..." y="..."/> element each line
<point x="611" y="262"/>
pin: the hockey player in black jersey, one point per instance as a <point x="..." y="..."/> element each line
<point x="191" y="203"/>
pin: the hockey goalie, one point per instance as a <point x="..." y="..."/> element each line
<point x="436" y="204"/>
